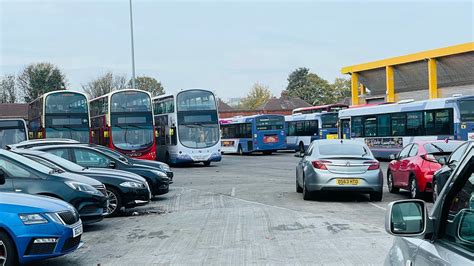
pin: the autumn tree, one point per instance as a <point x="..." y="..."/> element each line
<point x="149" y="84"/>
<point x="258" y="95"/>
<point x="39" y="78"/>
<point x="8" y="93"/>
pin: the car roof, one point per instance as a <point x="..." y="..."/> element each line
<point x="40" y="142"/>
<point x="337" y="141"/>
<point x="437" y="141"/>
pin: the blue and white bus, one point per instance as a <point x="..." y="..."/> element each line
<point x="263" y="133"/>
<point x="301" y="129"/>
<point x="187" y="127"/>
<point x="389" y="127"/>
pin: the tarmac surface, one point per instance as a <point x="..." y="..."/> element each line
<point x="243" y="210"/>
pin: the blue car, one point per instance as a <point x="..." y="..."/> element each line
<point x="34" y="228"/>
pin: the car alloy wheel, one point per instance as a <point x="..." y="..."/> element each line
<point x="390" y="186"/>
<point x="112" y="203"/>
<point x="413" y="188"/>
<point x="3" y="253"/>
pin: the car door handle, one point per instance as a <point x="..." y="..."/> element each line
<point x="18" y="190"/>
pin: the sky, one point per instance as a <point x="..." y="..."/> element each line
<point x="222" y="45"/>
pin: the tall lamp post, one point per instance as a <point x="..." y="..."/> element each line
<point x="133" y="49"/>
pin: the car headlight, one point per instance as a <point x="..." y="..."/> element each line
<point x="165" y="167"/>
<point x="133" y="185"/>
<point x="83" y="187"/>
<point x="159" y="173"/>
<point x="32" y="218"/>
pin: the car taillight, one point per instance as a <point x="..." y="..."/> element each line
<point x="429" y="158"/>
<point x="373" y="165"/>
<point x="320" y="164"/>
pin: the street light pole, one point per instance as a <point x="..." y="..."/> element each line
<point x="133" y="49"/>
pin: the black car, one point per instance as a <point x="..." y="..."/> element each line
<point x="88" y="156"/>
<point x="120" y="156"/>
<point x="24" y="175"/>
<point x="441" y="176"/>
<point x="123" y="189"/>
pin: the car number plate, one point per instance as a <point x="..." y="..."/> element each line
<point x="347" y="181"/>
<point x="77" y="231"/>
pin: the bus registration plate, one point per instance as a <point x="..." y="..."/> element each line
<point x="270" y="139"/>
<point x="227" y="143"/>
<point x="347" y="181"/>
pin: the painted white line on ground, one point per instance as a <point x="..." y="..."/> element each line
<point x="232" y="193"/>
<point x="375" y="205"/>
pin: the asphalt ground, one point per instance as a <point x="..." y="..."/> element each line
<point x="243" y="210"/>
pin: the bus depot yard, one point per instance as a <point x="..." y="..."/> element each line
<point x="226" y="215"/>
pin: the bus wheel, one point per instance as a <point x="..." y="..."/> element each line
<point x="301" y="150"/>
<point x="207" y="163"/>
<point x="239" y="150"/>
<point x="267" y="152"/>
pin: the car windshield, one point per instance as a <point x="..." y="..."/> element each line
<point x="26" y="161"/>
<point x="442" y="147"/>
<point x="343" y="149"/>
<point x="113" y="154"/>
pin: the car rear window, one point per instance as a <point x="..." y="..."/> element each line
<point x="442" y="147"/>
<point x="343" y="149"/>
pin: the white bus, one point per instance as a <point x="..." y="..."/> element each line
<point x="187" y="127"/>
<point x="302" y="129"/>
<point x="389" y="127"/>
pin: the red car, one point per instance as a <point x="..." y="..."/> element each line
<point x="413" y="167"/>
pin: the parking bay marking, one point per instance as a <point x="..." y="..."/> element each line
<point x="375" y="205"/>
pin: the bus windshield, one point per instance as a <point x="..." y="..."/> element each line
<point x="467" y="110"/>
<point x="66" y="102"/>
<point x="329" y="120"/>
<point x="270" y="123"/>
<point x="130" y="101"/>
<point x="11" y="132"/>
<point x="131" y="131"/>
<point x="66" y="132"/>
<point x="196" y="100"/>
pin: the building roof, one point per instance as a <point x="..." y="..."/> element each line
<point x="285" y="102"/>
<point x="223" y="106"/>
<point x="14" y="110"/>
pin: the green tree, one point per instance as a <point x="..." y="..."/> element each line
<point x="39" y="78"/>
<point x="104" y="84"/>
<point x="8" y="92"/>
<point x="309" y="87"/>
<point x="341" y="89"/>
<point x="149" y="84"/>
<point x="258" y="95"/>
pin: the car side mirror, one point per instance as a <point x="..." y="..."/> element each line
<point x="406" y="218"/>
<point x="392" y="156"/>
<point x="2" y="177"/>
<point x="442" y="160"/>
<point x="465" y="232"/>
<point x="112" y="164"/>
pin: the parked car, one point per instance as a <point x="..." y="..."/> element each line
<point x="123" y="189"/>
<point x="88" y="156"/>
<point x="33" y="228"/>
<point x="413" y="167"/>
<point x="40" y="142"/>
<point x="448" y="165"/>
<point x="24" y="175"/>
<point x="120" y="156"/>
<point x="445" y="236"/>
<point x="339" y="165"/>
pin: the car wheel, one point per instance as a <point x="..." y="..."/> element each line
<point x="207" y="163"/>
<point x="435" y="191"/>
<point x="114" y="202"/>
<point x="414" y="192"/>
<point x="306" y="194"/>
<point x="390" y="185"/>
<point x="376" y="196"/>
<point x="299" y="189"/>
<point x="239" y="150"/>
<point x="8" y="255"/>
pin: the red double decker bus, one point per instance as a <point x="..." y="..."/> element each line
<point x="123" y="120"/>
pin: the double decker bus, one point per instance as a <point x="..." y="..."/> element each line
<point x="302" y="129"/>
<point x="123" y="120"/>
<point x="12" y="131"/>
<point x="389" y="127"/>
<point x="261" y="133"/>
<point x="59" y="114"/>
<point x="187" y="127"/>
<point x="321" y="108"/>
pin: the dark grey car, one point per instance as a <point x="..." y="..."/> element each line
<point x="445" y="236"/>
<point x="339" y="165"/>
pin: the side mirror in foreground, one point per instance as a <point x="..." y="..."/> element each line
<point x="406" y="218"/>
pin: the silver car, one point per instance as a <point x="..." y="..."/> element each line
<point x="445" y="236"/>
<point x="339" y="165"/>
